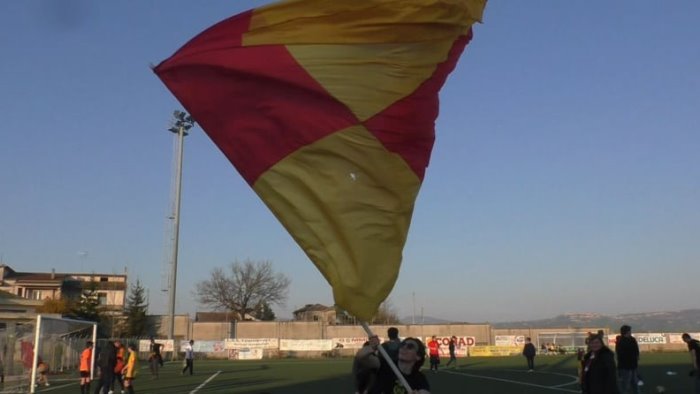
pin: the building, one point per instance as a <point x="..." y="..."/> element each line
<point x="316" y="312"/>
<point x="38" y="286"/>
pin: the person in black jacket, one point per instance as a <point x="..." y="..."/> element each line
<point x="599" y="374"/>
<point x="627" y="351"/>
<point x="694" y="349"/>
<point x="106" y="361"/>
<point x="529" y="351"/>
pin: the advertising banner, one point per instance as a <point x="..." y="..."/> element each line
<point x="676" y="338"/>
<point x="492" y="351"/>
<point x="350" y="343"/>
<point x="251" y="343"/>
<point x="510" y="340"/>
<point x="245" y="354"/>
<point x="650" y="339"/>
<point x="462" y="344"/>
<point x="144" y="345"/>
<point x="305" y="345"/>
<point x="203" y="346"/>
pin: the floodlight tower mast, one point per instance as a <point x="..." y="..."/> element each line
<point x="182" y="123"/>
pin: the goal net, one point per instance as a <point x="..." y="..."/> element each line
<point x="55" y="349"/>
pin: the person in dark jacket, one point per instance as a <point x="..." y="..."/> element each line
<point x="106" y="361"/>
<point x="529" y="351"/>
<point x="694" y="349"/>
<point x="627" y="351"/>
<point x="365" y="366"/>
<point x="599" y="372"/>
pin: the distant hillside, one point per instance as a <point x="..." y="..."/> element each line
<point x="676" y="321"/>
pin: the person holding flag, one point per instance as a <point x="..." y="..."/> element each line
<point x="411" y="359"/>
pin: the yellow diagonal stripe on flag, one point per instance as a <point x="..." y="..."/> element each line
<point x="369" y="78"/>
<point x="343" y="191"/>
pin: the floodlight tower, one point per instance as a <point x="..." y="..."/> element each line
<point x="181" y="124"/>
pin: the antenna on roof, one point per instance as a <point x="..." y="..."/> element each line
<point x="83" y="256"/>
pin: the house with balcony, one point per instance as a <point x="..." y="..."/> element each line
<point x="316" y="312"/>
<point x="38" y="286"/>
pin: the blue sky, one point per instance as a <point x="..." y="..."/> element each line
<point x="565" y="175"/>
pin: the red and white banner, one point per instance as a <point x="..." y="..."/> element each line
<point x="251" y="343"/>
<point x="462" y="345"/>
<point x="351" y="343"/>
<point x="305" y="345"/>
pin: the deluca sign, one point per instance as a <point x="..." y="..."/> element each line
<point x="650" y="339"/>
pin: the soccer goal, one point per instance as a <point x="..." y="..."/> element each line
<point x="57" y="345"/>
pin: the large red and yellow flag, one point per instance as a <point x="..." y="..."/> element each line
<point x="327" y="109"/>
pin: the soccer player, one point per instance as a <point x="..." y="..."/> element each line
<point x="451" y="348"/>
<point x="189" y="358"/>
<point x="130" y="369"/>
<point x="121" y="362"/>
<point x="43" y="370"/>
<point x="85" y="368"/>
<point x="434" y="350"/>
<point x="155" y="360"/>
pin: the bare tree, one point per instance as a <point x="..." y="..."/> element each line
<point x="386" y="314"/>
<point x="244" y="290"/>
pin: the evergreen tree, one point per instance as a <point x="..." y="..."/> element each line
<point x="88" y="305"/>
<point x="136" y="307"/>
<point x="265" y="313"/>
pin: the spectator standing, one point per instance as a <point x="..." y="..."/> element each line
<point x="189" y="357"/>
<point x="106" y="361"/>
<point x="599" y="374"/>
<point x="694" y="349"/>
<point x="627" y="351"/>
<point x="366" y="366"/>
<point x="393" y="344"/>
<point x="529" y="351"/>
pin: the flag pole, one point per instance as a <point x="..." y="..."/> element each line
<point x="388" y="359"/>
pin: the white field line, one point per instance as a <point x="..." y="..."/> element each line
<point x="51" y="388"/>
<point x="515" y="382"/>
<point x="205" y="382"/>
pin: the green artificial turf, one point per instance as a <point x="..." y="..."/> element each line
<point x="506" y="375"/>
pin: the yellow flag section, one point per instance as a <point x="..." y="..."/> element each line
<point x="362" y="22"/>
<point x="348" y="202"/>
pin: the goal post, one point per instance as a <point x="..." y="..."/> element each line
<point x="58" y="343"/>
